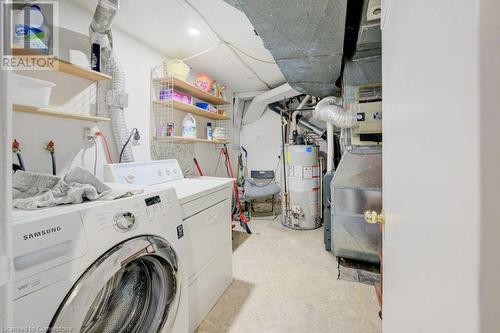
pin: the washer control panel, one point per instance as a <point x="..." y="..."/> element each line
<point x="140" y="213"/>
<point x="124" y="221"/>
<point x="143" y="173"/>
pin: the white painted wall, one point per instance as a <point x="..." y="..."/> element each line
<point x="441" y="166"/>
<point x="489" y="53"/>
<point x="33" y="131"/>
<point x="137" y="59"/>
<point x="5" y="201"/>
<point x="262" y="140"/>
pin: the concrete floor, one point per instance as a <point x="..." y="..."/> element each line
<point x="285" y="281"/>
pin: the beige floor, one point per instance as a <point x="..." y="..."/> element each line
<point x="284" y="281"/>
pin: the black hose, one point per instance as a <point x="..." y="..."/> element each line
<point x="135" y="132"/>
<point x="53" y="158"/>
<point x="21" y="162"/>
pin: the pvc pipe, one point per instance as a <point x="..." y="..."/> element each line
<point x="331" y="147"/>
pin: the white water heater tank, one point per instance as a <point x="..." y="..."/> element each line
<point x="303" y="174"/>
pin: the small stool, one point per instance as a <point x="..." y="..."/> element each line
<point x="261" y="185"/>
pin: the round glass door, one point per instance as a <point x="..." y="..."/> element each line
<point x="133" y="288"/>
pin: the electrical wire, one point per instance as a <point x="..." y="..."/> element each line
<point x="132" y="132"/>
<point x="16" y="149"/>
<point x="50" y="147"/>
<point x="203" y="52"/>
<point x="21" y="162"/>
<point x="105" y="146"/>
<point x="232" y="45"/>
<point x="95" y="155"/>
<point x="227" y="44"/>
<point x="53" y="158"/>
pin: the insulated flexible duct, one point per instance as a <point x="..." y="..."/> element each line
<point x="111" y="95"/>
<point x="329" y="111"/>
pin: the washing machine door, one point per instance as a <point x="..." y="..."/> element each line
<point x="135" y="287"/>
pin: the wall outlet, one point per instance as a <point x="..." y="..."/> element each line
<point x="90" y="134"/>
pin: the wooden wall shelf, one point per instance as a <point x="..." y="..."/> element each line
<point x="52" y="113"/>
<point x="67" y="67"/>
<point x="188" y="88"/>
<point x="192" y="109"/>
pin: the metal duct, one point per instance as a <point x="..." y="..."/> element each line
<point x="363" y="71"/>
<point x="104" y="15"/>
<point x="365" y="65"/>
<point x="301" y="120"/>
<point x="306" y="40"/>
<point x="112" y="97"/>
<point x="260" y="102"/>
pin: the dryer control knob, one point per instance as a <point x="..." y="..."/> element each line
<point x="124" y="221"/>
<point x="130" y="178"/>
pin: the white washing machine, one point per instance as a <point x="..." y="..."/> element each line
<point x="104" y="266"/>
<point x="206" y="214"/>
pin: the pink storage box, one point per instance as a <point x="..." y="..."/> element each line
<point x="169" y="94"/>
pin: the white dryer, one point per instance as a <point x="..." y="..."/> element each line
<point x="206" y="214"/>
<point x="107" y="266"/>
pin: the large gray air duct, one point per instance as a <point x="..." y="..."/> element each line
<point x="112" y="98"/>
<point x="365" y="67"/>
<point x="306" y="39"/>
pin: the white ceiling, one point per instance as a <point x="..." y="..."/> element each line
<point x="164" y="24"/>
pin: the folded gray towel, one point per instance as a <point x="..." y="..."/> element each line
<point x="34" y="191"/>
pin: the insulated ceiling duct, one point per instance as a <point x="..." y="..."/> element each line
<point x="305" y="39"/>
<point x="365" y="64"/>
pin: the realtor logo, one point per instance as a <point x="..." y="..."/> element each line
<point x="29" y="35"/>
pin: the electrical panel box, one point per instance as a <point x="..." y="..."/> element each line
<point x="369" y="124"/>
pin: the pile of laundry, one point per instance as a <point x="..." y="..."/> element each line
<point x="35" y="191"/>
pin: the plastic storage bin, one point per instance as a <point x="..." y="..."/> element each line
<point x="178" y="69"/>
<point x="169" y="94"/>
<point x="31" y="92"/>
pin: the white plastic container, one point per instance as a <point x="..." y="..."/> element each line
<point x="178" y="69"/>
<point x="189" y="126"/>
<point x="31" y="92"/>
<point x="219" y="133"/>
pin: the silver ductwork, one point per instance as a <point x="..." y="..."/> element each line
<point x="112" y="98"/>
<point x="301" y="121"/>
<point x="356" y="188"/>
<point x="329" y="109"/>
<point x="104" y="15"/>
<point x="365" y="66"/>
<point x="306" y="40"/>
